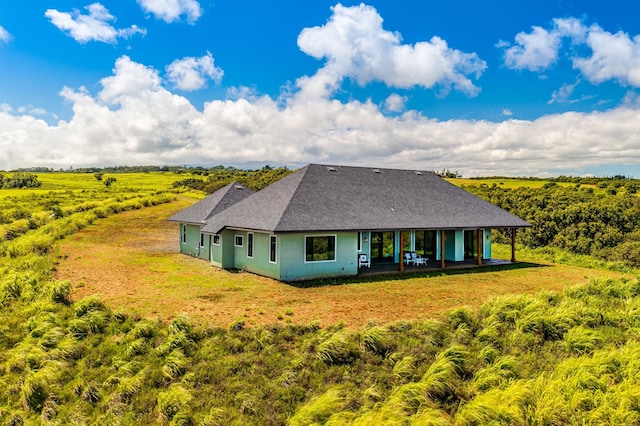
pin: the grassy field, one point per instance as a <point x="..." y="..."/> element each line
<point x="506" y="183"/>
<point x="61" y="182"/>
<point x="132" y="261"/>
<point x="567" y="357"/>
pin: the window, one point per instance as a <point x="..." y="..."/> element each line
<point x="272" y="248"/>
<point x="250" y="244"/>
<point x="359" y="241"/>
<point x="238" y="241"/>
<point x="184" y="234"/>
<point x="320" y="248"/>
<point x="201" y="240"/>
<point x="216" y="239"/>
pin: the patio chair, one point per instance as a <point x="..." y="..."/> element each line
<point x="363" y="260"/>
<point x="408" y="259"/>
<point x="417" y="259"/>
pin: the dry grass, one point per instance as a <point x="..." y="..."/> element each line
<point x="132" y="261"/>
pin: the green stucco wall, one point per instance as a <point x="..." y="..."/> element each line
<point x="192" y="244"/>
<point x="260" y="262"/>
<point x="293" y="266"/>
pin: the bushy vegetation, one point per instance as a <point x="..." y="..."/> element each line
<point x="19" y="180"/>
<point x="210" y="180"/>
<point x="577" y="219"/>
<point x="554" y="358"/>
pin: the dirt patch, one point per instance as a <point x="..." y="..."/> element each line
<point x="131" y="260"/>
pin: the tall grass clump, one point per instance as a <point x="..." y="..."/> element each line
<point x="337" y="349"/>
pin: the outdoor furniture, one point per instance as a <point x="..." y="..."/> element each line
<point x="408" y="259"/>
<point x="417" y="259"/>
<point x="363" y="260"/>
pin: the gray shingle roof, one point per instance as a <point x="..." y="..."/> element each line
<point x="334" y="198"/>
<point x="214" y="203"/>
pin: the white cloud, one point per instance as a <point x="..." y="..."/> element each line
<point x="244" y="92"/>
<point x="92" y="27"/>
<point x="133" y="119"/>
<point x="534" y="51"/>
<point x="395" y="103"/>
<point x="563" y="94"/>
<point x="354" y="45"/>
<point x="615" y="57"/>
<point x="507" y="112"/>
<point x="538" y="50"/>
<point x="31" y="110"/>
<point x="192" y="73"/>
<point x="171" y="10"/>
<point x="5" y="37"/>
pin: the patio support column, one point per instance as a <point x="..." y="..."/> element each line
<point x="401" y="251"/>
<point x="479" y="247"/>
<point x="513" y="245"/>
<point x="442" y="265"/>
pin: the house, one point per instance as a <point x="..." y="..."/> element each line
<point x="315" y="222"/>
<point x="192" y="241"/>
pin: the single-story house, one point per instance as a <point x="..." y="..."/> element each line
<point x="192" y="240"/>
<point x="317" y="221"/>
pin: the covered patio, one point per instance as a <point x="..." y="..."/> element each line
<point x="430" y="266"/>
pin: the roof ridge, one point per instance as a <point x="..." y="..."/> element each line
<point x="303" y="172"/>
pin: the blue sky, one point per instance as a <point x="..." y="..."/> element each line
<point x="485" y="88"/>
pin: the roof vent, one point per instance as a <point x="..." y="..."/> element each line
<point x="418" y="173"/>
<point x="331" y="169"/>
<point x="376" y="171"/>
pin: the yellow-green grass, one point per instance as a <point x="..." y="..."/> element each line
<point x="60" y="182"/>
<point x="508" y="182"/>
<point x="132" y="261"/>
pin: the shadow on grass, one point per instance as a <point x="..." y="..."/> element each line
<point x="401" y="276"/>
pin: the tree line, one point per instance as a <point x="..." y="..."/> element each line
<point x="601" y="223"/>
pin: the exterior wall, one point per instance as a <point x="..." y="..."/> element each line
<point x="260" y="262"/>
<point x="290" y="262"/>
<point x="192" y="244"/>
<point x="454" y="245"/>
<point x="216" y="252"/>
<point x="291" y="250"/>
<point x="487" y="244"/>
<point x="227" y="259"/>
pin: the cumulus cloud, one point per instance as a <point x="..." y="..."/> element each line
<point x="538" y="50"/>
<point x="354" y="45"/>
<point x="5" y="37"/>
<point x="613" y="56"/>
<point x="192" y="73"/>
<point x="92" y="27"/>
<point x="134" y="119"/>
<point x="171" y="10"/>
<point x="395" y="103"/>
